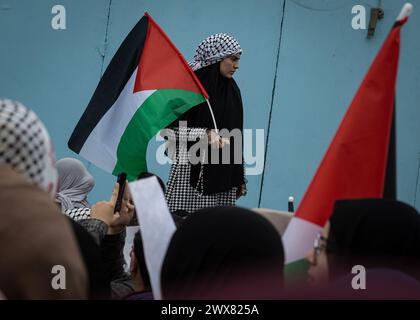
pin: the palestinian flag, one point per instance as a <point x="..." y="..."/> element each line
<point x="147" y="85"/>
<point x="355" y="163"/>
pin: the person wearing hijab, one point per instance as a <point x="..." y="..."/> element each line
<point x="34" y="236"/>
<point x="45" y="237"/>
<point x="194" y="186"/>
<point x="382" y="236"/>
<point x="376" y="233"/>
<point x="25" y="145"/>
<point x="74" y="184"/>
<point x="224" y="253"/>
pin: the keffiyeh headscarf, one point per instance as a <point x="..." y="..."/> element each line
<point x="74" y="184"/>
<point x="214" y="49"/>
<point x="25" y="145"/>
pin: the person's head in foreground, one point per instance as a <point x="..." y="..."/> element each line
<point x="224" y="253"/>
<point x="39" y="251"/>
<point x="380" y="236"/>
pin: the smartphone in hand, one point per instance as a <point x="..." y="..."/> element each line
<point x="122" y="177"/>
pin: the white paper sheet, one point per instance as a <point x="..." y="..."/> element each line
<point x="156" y="225"/>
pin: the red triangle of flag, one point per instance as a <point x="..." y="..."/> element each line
<point x="162" y="66"/>
<point x="354" y="165"/>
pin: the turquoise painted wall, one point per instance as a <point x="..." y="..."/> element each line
<point x="301" y="66"/>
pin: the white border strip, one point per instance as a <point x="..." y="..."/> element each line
<point x="101" y="146"/>
<point x="157" y="226"/>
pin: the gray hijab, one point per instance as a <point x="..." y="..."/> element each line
<point x="74" y="184"/>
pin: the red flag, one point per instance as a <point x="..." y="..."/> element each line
<point x="355" y="163"/>
<point x="160" y="53"/>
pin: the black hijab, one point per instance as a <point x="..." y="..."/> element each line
<point x="375" y="233"/>
<point x="223" y="253"/>
<point x="225" y="99"/>
<point x="99" y="282"/>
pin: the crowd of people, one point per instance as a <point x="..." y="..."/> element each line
<point x="219" y="250"/>
<point x="223" y="252"/>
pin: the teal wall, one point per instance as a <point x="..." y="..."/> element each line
<point x="301" y="66"/>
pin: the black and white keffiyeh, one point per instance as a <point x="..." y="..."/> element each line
<point x="25" y="145"/>
<point x="180" y="195"/>
<point x="78" y="214"/>
<point x="214" y="49"/>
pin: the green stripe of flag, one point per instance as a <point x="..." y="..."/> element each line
<point x="157" y="112"/>
<point x="296" y="272"/>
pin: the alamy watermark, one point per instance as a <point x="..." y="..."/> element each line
<point x="58" y="22"/>
<point x="359" y="19"/>
<point x="194" y="146"/>
<point x="358" y="282"/>
<point x="58" y="282"/>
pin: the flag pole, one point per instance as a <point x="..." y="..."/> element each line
<point x="212" y="116"/>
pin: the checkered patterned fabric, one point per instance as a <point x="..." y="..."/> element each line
<point x="26" y="146"/>
<point x="214" y="49"/>
<point x="78" y="213"/>
<point x="180" y="195"/>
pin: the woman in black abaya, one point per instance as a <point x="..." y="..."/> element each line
<point x="194" y="186"/>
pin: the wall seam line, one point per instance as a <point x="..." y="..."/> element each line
<point x="272" y="102"/>
<point x="89" y="164"/>
<point x="106" y="37"/>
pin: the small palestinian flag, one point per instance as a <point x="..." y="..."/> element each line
<point x="147" y="85"/>
<point x="355" y="164"/>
